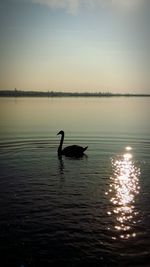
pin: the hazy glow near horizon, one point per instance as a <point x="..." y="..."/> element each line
<point x="75" y="45"/>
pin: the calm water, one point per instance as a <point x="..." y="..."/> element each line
<point x="93" y="211"/>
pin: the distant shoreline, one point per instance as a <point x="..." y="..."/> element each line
<point x="20" y="93"/>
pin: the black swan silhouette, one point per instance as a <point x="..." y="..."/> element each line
<point x="70" y="151"/>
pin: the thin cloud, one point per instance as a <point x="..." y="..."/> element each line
<point x="72" y="6"/>
<point x="130" y="4"/>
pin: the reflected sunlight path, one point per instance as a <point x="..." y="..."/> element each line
<point x="123" y="188"/>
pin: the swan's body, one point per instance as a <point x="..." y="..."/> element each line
<point x="70" y="151"/>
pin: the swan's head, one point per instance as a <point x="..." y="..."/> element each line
<point x="61" y="132"/>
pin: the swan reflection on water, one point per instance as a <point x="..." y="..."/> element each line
<point x="61" y="165"/>
<point x="123" y="188"/>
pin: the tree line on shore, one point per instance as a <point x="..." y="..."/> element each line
<point x="21" y="93"/>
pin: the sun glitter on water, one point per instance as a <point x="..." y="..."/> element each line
<point x="123" y="188"/>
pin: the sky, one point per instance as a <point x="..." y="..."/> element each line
<point x="75" y="45"/>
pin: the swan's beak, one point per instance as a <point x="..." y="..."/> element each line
<point x="61" y="132"/>
<point x="58" y="133"/>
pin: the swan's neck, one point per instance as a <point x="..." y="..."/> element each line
<point x="61" y="143"/>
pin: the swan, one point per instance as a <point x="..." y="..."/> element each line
<point x="70" y="151"/>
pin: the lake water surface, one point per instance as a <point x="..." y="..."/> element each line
<point x="91" y="211"/>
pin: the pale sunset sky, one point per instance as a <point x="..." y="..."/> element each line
<point x="75" y="45"/>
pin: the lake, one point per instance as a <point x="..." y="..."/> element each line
<point x="61" y="211"/>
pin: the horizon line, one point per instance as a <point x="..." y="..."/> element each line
<point x="16" y="92"/>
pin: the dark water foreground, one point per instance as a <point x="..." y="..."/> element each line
<point x="69" y="212"/>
